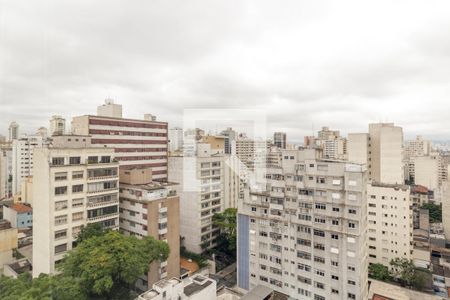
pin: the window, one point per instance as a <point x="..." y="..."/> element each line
<point x="319" y="233"/>
<point x="351" y="268"/>
<point x="319" y="285"/>
<point x="77" y="188"/>
<point x="319" y="259"/>
<point x="58" y="161"/>
<point x="77" y="202"/>
<point x="334" y="277"/>
<point x="319" y="246"/>
<point x="318" y="297"/>
<point x="334" y="291"/>
<point x="334" y="263"/>
<point x="60" y="205"/>
<point x="92" y="159"/>
<point x="105" y="159"/>
<point x="60" y="220"/>
<point x="60" y="176"/>
<point x="60" y="234"/>
<point x="334" y="236"/>
<point x="335" y="222"/>
<point x="336" y="209"/>
<point x="61" y="190"/>
<point x="77" y="175"/>
<point x="77" y="216"/>
<point x="60" y="248"/>
<point x="320" y="272"/>
<point x="351" y="296"/>
<point x="352" y="211"/>
<point x="321" y="206"/>
<point x="351" y="225"/>
<point x="351" y="282"/>
<point x="75" y="160"/>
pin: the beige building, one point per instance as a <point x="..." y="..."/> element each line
<point x="8" y="242"/>
<point x="426" y="171"/>
<point x="149" y="208"/>
<point x="390" y="222"/>
<point x="381" y="150"/>
<point x="417" y="147"/>
<point x="6" y="170"/>
<point x="303" y="233"/>
<point x="332" y="144"/>
<point x="22" y="158"/>
<point x="74" y="185"/>
<point x="201" y="187"/>
<point x="57" y="125"/>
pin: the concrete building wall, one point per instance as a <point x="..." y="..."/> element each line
<point x="357" y="148"/>
<point x="390" y="223"/>
<point x="426" y="171"/>
<point x="304" y="233"/>
<point x="68" y="195"/>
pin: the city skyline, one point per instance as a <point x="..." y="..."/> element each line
<point x="307" y="64"/>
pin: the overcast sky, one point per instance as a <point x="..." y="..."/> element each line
<point x="306" y="63"/>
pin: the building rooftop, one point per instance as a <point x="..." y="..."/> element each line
<point x="20" y="208"/>
<point x="151" y="186"/>
<point x="4" y="224"/>
<point x="390" y="185"/>
<point x="385" y="291"/>
<point x="419" y="189"/>
<point x="198" y="283"/>
<point x="21" y="266"/>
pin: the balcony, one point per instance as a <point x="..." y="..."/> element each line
<point x="106" y="203"/>
<point x="103" y="217"/>
<point x="162" y="231"/>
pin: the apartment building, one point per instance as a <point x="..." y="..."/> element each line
<point x="303" y="232"/>
<point x="417" y="147"/>
<point x="13" y="131"/>
<point x="201" y="192"/>
<point x="57" y="125"/>
<point x="279" y="139"/>
<point x="252" y="153"/>
<point x="175" y="139"/>
<point x="230" y="136"/>
<point x="8" y="242"/>
<point x="75" y="184"/>
<point x="390" y="222"/>
<point x="136" y="143"/>
<point x="381" y="150"/>
<point x="6" y="170"/>
<point x="149" y="208"/>
<point x="22" y="158"/>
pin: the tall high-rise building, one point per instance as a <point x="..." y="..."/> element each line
<point x="22" y="158"/>
<point x="303" y="233"/>
<point x="279" y="139"/>
<point x="333" y="146"/>
<point x="175" y="139"/>
<point x="417" y="147"/>
<point x="148" y="208"/>
<point x="390" y="223"/>
<point x="230" y="136"/>
<point x="136" y="143"/>
<point x="13" y="131"/>
<point x="110" y="109"/>
<point x="57" y="125"/>
<point x="42" y="131"/>
<point x="6" y="174"/>
<point x="381" y="150"/>
<point x="75" y="184"/>
<point x="202" y="194"/>
<point x="252" y="153"/>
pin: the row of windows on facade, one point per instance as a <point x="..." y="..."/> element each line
<point x="99" y="212"/>
<point x="79" y="202"/>
<point x="301" y="291"/>
<point x="92" y="187"/>
<point x="59" y="176"/>
<point x="76" y="160"/>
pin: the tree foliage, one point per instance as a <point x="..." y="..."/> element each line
<point x="379" y="272"/>
<point x="226" y="221"/>
<point x="109" y="263"/>
<point x="91" y="230"/>
<point x="435" y="212"/>
<point x="44" y="287"/>
<point x="408" y="274"/>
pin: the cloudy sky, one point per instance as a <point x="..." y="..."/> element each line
<point x="305" y="63"/>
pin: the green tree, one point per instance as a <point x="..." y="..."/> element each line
<point x="108" y="264"/>
<point x="44" y="287"/>
<point x="91" y="230"/>
<point x="379" y="272"/>
<point x="434" y="211"/>
<point x="403" y="270"/>
<point x="226" y="221"/>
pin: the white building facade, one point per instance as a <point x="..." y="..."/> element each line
<point x="74" y="185"/>
<point x="304" y="232"/>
